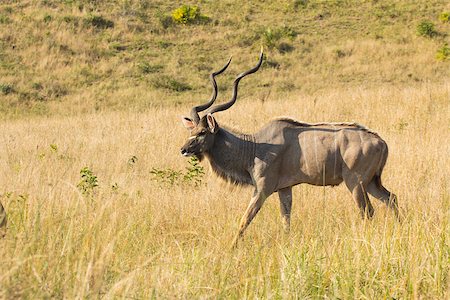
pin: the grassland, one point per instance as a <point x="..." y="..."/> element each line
<point x="108" y="97"/>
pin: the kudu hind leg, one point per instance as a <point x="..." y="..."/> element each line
<point x="254" y="206"/>
<point x="285" y="196"/>
<point x="360" y="196"/>
<point x="377" y="190"/>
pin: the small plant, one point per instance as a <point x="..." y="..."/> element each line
<point x="187" y="14"/>
<point x="115" y="187"/>
<point x="402" y="125"/>
<point x="54" y="148"/>
<point x="37" y="86"/>
<point x="426" y="28"/>
<point x="47" y="18"/>
<point x="272" y="36"/>
<point x="88" y="182"/>
<point x="443" y="53"/>
<point x="168" y="83"/>
<point x="98" y="22"/>
<point x="299" y="4"/>
<point x="69" y="19"/>
<point x="193" y="174"/>
<point x="164" y="44"/>
<point x="4" y="19"/>
<point x="6" y="88"/>
<point x="167" y="176"/>
<point x="444" y="17"/>
<point x="146" y="68"/>
<point x="132" y="160"/>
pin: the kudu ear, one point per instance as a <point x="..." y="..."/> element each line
<point x="212" y="125"/>
<point x="188" y="123"/>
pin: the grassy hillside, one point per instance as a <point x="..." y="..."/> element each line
<point x="73" y="56"/>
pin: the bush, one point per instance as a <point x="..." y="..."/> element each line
<point x="186" y="14"/>
<point x="426" y="28"/>
<point x="168" y="83"/>
<point x="88" y="182"/>
<point x="98" y="22"/>
<point x="6" y="88"/>
<point x="146" y="68"/>
<point x="4" y="19"/>
<point x="272" y="37"/>
<point x="193" y="175"/>
<point x="47" y="18"/>
<point x="443" y="53"/>
<point x="444" y="17"/>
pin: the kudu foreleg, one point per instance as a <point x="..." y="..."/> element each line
<point x="254" y="206"/>
<point x="285" y="196"/>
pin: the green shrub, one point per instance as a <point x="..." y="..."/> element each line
<point x="47" y="18"/>
<point x="164" y="44"/>
<point x="272" y="36"/>
<point x="444" y="17"/>
<point x="168" y="83"/>
<point x="146" y="68"/>
<point x="98" y="22"/>
<point x="187" y="14"/>
<point x="132" y="160"/>
<point x="443" y="53"/>
<point x="6" y="88"/>
<point x="71" y="20"/>
<point x="299" y="4"/>
<point x="4" y="19"/>
<point x="193" y="174"/>
<point x="88" y="182"/>
<point x="426" y="28"/>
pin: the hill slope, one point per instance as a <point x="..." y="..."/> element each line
<point x="71" y="56"/>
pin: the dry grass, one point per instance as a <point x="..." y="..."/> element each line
<point x="146" y="239"/>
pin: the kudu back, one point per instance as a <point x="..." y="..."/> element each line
<point x="285" y="153"/>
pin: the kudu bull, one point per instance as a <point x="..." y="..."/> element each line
<point x="285" y="153"/>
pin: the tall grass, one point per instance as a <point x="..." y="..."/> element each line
<point x="134" y="237"/>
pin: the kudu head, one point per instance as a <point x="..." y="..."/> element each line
<point x="203" y="130"/>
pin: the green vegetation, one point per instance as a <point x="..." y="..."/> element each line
<point x="192" y="175"/>
<point x="426" y="28"/>
<point x="170" y="84"/>
<point x="443" y="53"/>
<point x="98" y="22"/>
<point x="186" y="14"/>
<point x="444" y="17"/>
<point x="88" y="182"/>
<point x="6" y="88"/>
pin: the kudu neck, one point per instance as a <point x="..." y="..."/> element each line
<point x="232" y="155"/>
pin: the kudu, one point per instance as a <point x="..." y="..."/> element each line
<point x="285" y="153"/>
